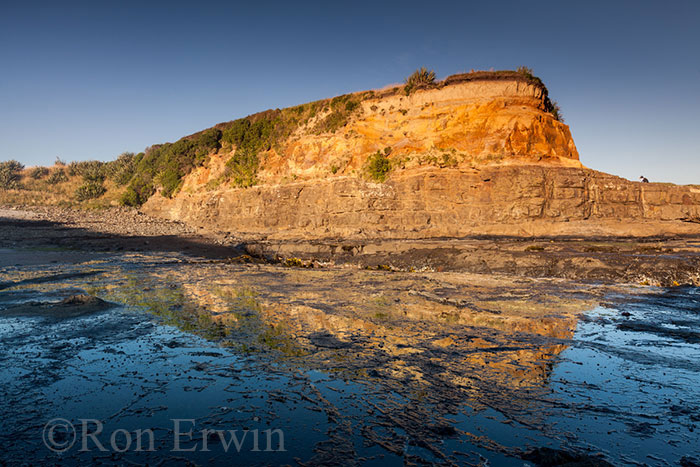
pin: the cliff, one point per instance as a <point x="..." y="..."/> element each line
<point x="481" y="153"/>
<point x="475" y="154"/>
<point x="510" y="200"/>
<point x="459" y="125"/>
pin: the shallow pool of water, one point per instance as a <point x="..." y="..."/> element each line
<point x="275" y="366"/>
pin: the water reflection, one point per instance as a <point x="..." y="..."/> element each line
<point x="417" y="329"/>
<point x="374" y="365"/>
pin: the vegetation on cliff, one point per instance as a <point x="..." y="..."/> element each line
<point x="419" y="79"/>
<point x="250" y="138"/>
<point x="165" y="165"/>
<point x="379" y="165"/>
<point x="342" y="107"/>
<point x="249" y="141"/>
<point x="549" y="105"/>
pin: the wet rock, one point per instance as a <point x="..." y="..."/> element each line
<point x="548" y="457"/>
<point x="641" y="429"/>
<point x="327" y="341"/>
<point x="689" y="461"/>
<point x="71" y="307"/>
<point x="685" y="335"/>
<point x="443" y="430"/>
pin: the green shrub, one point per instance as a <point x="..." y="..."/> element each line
<point x="10" y="174"/>
<point x="250" y="138"/>
<point x="139" y="190"/>
<point x="130" y="198"/>
<point x="332" y="123"/>
<point x="91" y="171"/>
<point x="164" y="165"/>
<point x="379" y="165"/>
<point x="37" y="173"/>
<point x="342" y="108"/>
<point x="57" y="176"/>
<point x="555" y="110"/>
<point x="90" y="190"/>
<point x="351" y="105"/>
<point x="170" y="180"/>
<point x="242" y="169"/>
<point x="421" y="78"/>
<point x="122" y="169"/>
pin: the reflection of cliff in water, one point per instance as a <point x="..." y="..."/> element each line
<point x="417" y="366"/>
<point x="442" y="337"/>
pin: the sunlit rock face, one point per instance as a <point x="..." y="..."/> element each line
<point x="439" y="202"/>
<point x="318" y="182"/>
<point x="476" y="157"/>
<point x="466" y="124"/>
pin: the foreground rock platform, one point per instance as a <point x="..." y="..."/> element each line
<point x="586" y="256"/>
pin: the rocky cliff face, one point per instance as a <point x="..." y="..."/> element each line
<point x="465" y="124"/>
<point x="438" y="202"/>
<point x="473" y="157"/>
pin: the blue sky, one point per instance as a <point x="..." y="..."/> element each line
<point x="91" y="80"/>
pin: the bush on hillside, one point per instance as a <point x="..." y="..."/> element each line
<point x="250" y="138"/>
<point x="90" y="190"/>
<point x="420" y="78"/>
<point x="122" y="169"/>
<point x="165" y="165"/>
<point x="10" y="174"/>
<point x="342" y="108"/>
<point x="91" y="171"/>
<point x="37" y="173"/>
<point x="139" y="190"/>
<point x="57" y="176"/>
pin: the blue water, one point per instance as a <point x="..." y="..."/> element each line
<point x="626" y="389"/>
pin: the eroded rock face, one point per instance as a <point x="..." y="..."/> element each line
<point x="465" y="124"/>
<point x="478" y="157"/>
<point x="439" y="202"/>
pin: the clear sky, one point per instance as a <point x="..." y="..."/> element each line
<point x="91" y="80"/>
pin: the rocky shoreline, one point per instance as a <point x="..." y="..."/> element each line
<point x="109" y="230"/>
<point x="418" y="335"/>
<point x="662" y="261"/>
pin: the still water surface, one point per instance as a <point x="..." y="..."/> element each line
<point x="342" y="366"/>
